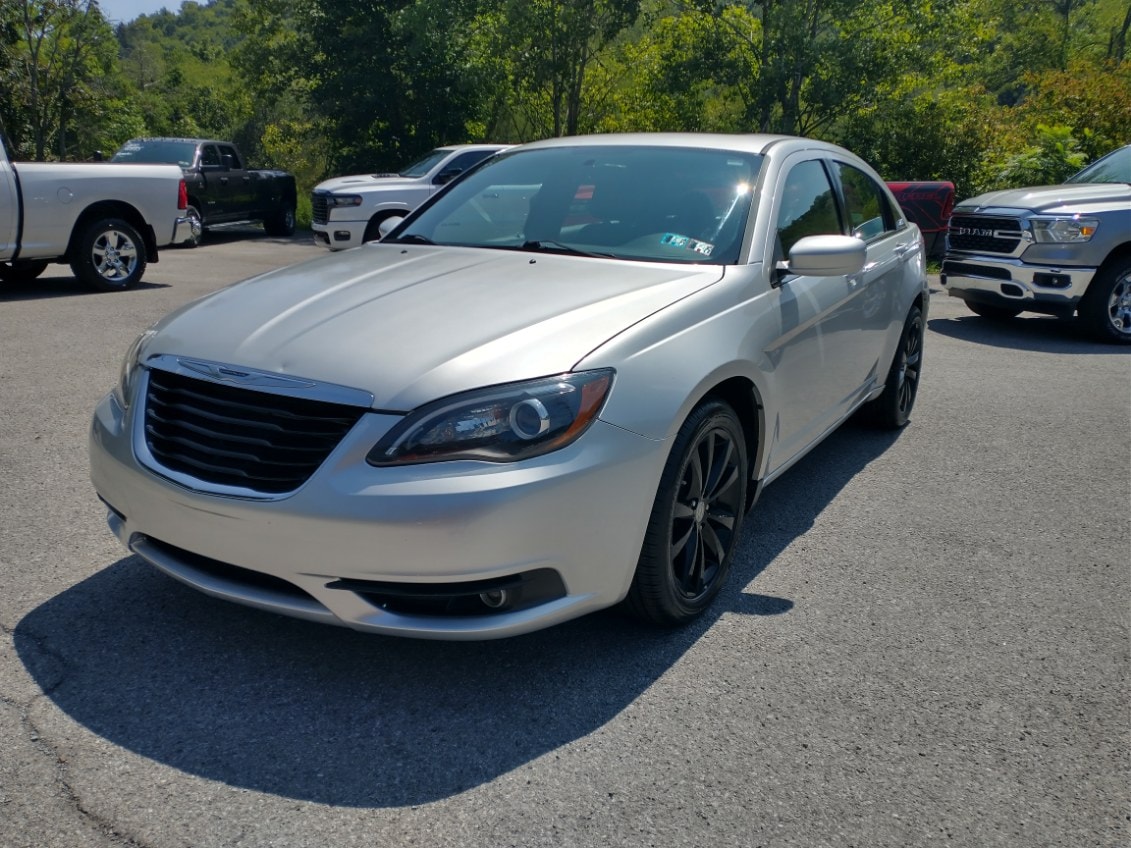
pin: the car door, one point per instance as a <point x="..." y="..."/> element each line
<point x="817" y="358"/>
<point x="239" y="192"/>
<point x="872" y="217"/>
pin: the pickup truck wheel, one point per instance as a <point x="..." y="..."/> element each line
<point x="1106" y="308"/>
<point x="994" y="313"/>
<point x="373" y="228"/>
<point x="110" y="256"/>
<point x="196" y="227"/>
<point x="21" y="272"/>
<point x="892" y="409"/>
<point x="282" y="223"/>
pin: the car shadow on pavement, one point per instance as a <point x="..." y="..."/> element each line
<point x="1037" y="333"/>
<point x="328" y="715"/>
<point x="52" y="285"/>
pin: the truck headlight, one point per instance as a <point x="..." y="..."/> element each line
<point x="131" y="367"/>
<point x="1063" y="230"/>
<point x="336" y="201"/>
<point x="499" y="423"/>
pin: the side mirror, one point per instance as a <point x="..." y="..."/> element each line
<point x="97" y="157"/>
<point x="826" y="256"/>
<point x="389" y="224"/>
<point x="447" y="175"/>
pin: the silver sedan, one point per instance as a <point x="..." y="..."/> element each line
<point x="557" y="386"/>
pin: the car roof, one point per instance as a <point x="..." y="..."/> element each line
<point x="749" y="142"/>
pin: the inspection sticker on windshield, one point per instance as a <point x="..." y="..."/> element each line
<point x="703" y="248"/>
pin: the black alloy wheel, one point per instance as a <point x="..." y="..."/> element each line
<point x="695" y="521"/>
<point x="892" y="409"/>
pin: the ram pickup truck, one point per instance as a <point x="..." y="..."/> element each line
<point x="106" y="221"/>
<point x="1058" y="250"/>
<point x="349" y="211"/>
<point x="221" y="188"/>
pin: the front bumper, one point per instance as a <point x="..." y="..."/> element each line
<point x="1010" y="282"/>
<point x="579" y="513"/>
<point x="340" y="235"/>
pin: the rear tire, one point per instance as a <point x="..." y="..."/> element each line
<point x="110" y="256"/>
<point x="282" y="223"/>
<point x="892" y="409"/>
<point x="1105" y="310"/>
<point x="21" y="272"/>
<point x="994" y="313"/>
<point x="695" y="521"/>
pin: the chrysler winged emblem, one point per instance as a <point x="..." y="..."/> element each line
<point x="242" y="376"/>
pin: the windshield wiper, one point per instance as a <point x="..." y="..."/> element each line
<point x="548" y="246"/>
<point x="414" y="238"/>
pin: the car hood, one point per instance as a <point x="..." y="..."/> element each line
<point x="410" y="324"/>
<point x="364" y="181"/>
<point x="1050" y="198"/>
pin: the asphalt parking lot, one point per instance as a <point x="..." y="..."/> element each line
<point x="926" y="641"/>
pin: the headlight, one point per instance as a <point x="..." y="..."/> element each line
<point x="1063" y="230"/>
<point x="334" y="201"/>
<point x="498" y="424"/>
<point x="130" y="368"/>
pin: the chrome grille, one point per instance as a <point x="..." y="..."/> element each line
<point x="984" y="234"/>
<point x="231" y="436"/>
<point x="319" y="208"/>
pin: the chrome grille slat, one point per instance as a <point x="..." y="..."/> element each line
<point x="230" y="435"/>
<point x="319" y="208"/>
<point x="984" y="234"/>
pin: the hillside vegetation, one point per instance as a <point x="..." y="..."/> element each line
<point x="984" y="93"/>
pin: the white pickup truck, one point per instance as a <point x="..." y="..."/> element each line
<point x="107" y="221"/>
<point x="348" y="211"/>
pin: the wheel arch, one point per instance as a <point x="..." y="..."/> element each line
<point x="113" y="209"/>
<point x="742" y="395"/>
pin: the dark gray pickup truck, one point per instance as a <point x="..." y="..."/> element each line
<point x="221" y="188"/>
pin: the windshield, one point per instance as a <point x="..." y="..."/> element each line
<point x="423" y="166"/>
<point x="659" y="204"/>
<point x="157" y="152"/>
<point x="1115" y="167"/>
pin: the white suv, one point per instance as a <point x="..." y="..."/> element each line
<point x="349" y="210"/>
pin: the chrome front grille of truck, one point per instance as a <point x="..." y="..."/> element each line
<point x="319" y="207"/>
<point x="984" y="234"/>
<point x="226" y="435"/>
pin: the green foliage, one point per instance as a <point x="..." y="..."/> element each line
<point x="979" y="92"/>
<point x="1053" y="157"/>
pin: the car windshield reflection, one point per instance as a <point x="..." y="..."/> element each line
<point x="658" y="204"/>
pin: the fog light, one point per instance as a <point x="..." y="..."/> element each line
<point x="341" y="235"/>
<point x="495" y="598"/>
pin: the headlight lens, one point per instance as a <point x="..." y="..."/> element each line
<point x="334" y="201"/>
<point x="1053" y="230"/>
<point x="127" y="376"/>
<point x="498" y="424"/>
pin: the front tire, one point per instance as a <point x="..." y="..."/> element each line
<point x="892" y="409"/>
<point x="21" y="272"/>
<point x="695" y="520"/>
<point x="110" y="256"/>
<point x="1106" y="308"/>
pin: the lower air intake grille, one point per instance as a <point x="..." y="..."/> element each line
<point x="231" y="436"/>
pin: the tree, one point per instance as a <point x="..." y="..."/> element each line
<point x="63" y="54"/>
